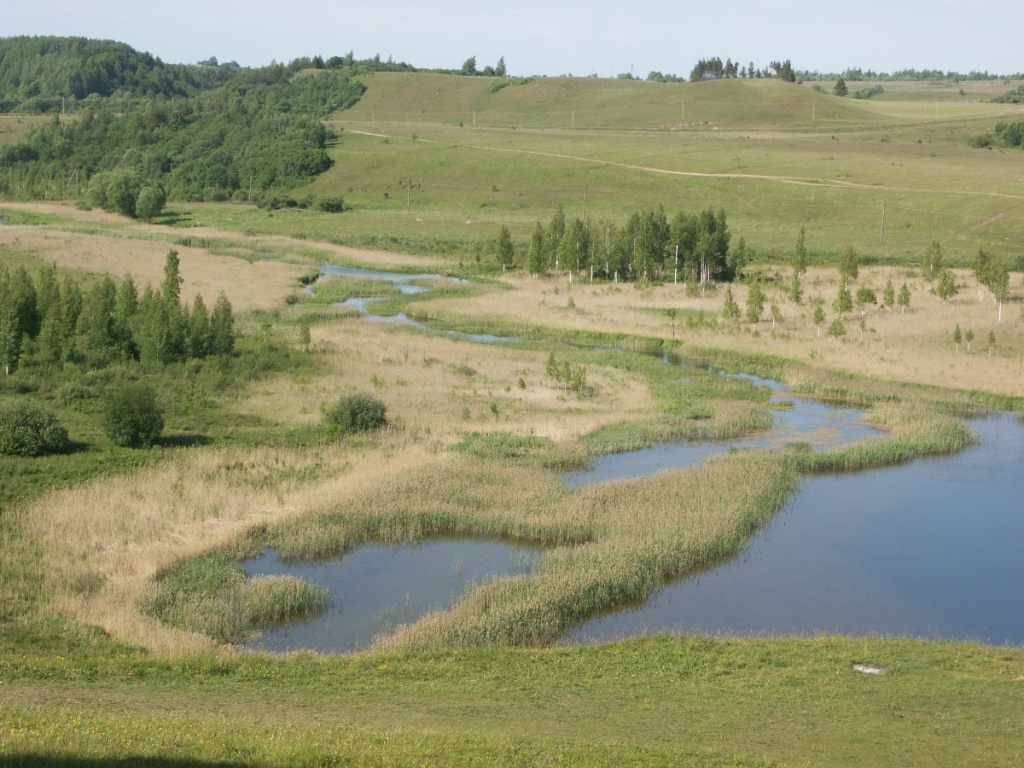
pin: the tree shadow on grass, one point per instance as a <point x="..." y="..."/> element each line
<point x="172" y="218"/>
<point x="183" y="441"/>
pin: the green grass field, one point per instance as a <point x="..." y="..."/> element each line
<point x="431" y="166"/>
<point x="775" y="156"/>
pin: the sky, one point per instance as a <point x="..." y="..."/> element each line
<point x="602" y="37"/>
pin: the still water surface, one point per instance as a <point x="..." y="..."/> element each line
<point x="933" y="549"/>
<point x="375" y="587"/>
<point x="807" y="421"/>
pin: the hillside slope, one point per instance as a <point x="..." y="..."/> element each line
<point x="598" y="104"/>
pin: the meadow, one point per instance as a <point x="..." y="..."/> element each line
<point x="120" y="580"/>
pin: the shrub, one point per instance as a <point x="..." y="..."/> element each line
<point x="133" y="419"/>
<point x="329" y="204"/>
<point x="356" y="413"/>
<point x="28" y="430"/>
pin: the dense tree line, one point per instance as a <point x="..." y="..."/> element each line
<point x="857" y="74"/>
<point x="48" y="321"/>
<point x="648" y="246"/>
<point x="36" y="73"/>
<point x="715" y="69"/>
<point x="259" y="133"/>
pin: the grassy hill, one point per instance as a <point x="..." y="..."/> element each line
<point x="436" y="163"/>
<point x="598" y="104"/>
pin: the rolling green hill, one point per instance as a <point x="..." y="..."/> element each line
<point x="598" y="104"/>
<point x="437" y="163"/>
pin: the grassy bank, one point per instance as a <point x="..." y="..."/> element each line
<point x="120" y="588"/>
<point x="672" y="701"/>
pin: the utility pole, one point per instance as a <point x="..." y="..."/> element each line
<point x="881" y="240"/>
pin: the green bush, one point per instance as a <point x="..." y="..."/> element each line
<point x="28" y="430"/>
<point x="356" y="413"/>
<point x="329" y="204"/>
<point x="133" y="418"/>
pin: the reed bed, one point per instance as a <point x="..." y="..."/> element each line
<point x="644" y="532"/>
<point x="230" y="614"/>
<point x="91" y="553"/>
<point x="913" y="430"/>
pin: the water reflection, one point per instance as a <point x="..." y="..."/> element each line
<point x="928" y="549"/>
<point x="376" y="587"/>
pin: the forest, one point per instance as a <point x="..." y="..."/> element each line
<point x="258" y="133"/>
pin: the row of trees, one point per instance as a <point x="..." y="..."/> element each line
<point x="51" y="321"/>
<point x="714" y="69"/>
<point x="692" y="247"/>
<point x="856" y="73"/>
<point x="498" y="70"/>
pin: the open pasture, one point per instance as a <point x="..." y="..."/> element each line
<point x="433" y="185"/>
<point x="88" y="672"/>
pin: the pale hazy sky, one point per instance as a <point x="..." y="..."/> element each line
<point x="603" y="37"/>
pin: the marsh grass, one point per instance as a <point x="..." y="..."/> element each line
<point x="338" y="289"/>
<point x="212" y="596"/>
<point x="526" y="449"/>
<point x="913" y="430"/>
<point x="642" y="533"/>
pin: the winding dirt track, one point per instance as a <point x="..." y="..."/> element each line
<point x="834" y="183"/>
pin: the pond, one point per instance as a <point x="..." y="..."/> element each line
<point x="929" y="549"/>
<point x="807" y="421"/>
<point x="376" y="587"/>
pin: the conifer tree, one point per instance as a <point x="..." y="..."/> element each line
<point x="200" y="333"/>
<point x="222" y="327"/>
<point x="536" y="256"/>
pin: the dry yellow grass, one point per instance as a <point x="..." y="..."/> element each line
<point x="438" y="386"/>
<point x="261" y="284"/>
<point x="103" y="542"/>
<point x="915" y="347"/>
<point x="288" y="247"/>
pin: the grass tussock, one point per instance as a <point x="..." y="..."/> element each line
<point x="229" y="613"/>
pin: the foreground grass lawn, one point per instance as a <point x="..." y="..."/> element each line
<point x="660" y="701"/>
